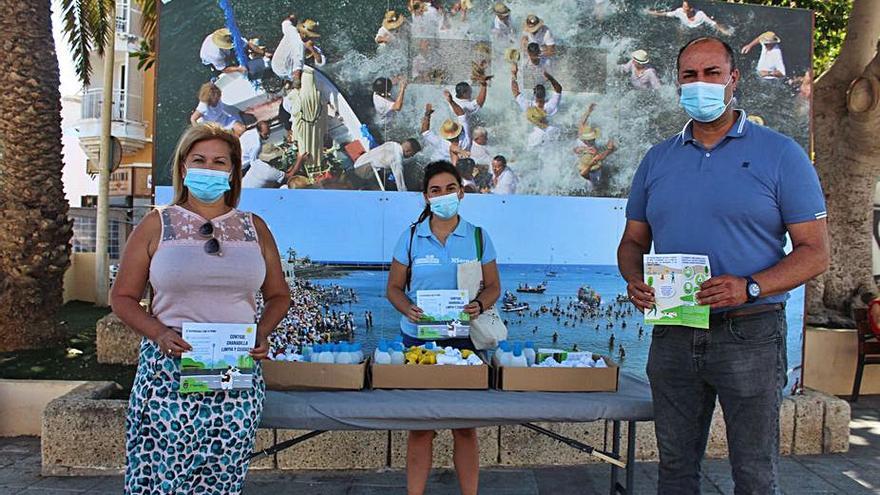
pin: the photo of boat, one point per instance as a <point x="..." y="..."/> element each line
<point x="527" y="289"/>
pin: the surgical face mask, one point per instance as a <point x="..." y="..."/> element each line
<point x="703" y="101"/>
<point x="206" y="185"/>
<point x="445" y="206"/>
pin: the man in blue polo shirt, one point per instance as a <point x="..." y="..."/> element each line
<point x="729" y="189"/>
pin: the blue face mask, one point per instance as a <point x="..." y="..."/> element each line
<point x="445" y="206"/>
<point x="206" y="185"/>
<point x="703" y="101"/>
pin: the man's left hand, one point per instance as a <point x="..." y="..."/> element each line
<point x="723" y="291"/>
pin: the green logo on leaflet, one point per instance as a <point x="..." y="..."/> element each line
<point x="700" y="279"/>
<point x="688" y="272"/>
<point x="688" y="287"/>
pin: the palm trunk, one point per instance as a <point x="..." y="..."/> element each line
<point x="847" y="137"/>
<point x="34" y="227"/>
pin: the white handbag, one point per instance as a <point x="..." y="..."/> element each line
<point x="487" y="329"/>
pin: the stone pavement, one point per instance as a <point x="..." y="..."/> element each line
<point x="855" y="472"/>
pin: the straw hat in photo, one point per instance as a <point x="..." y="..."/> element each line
<point x="392" y="20"/>
<point x="222" y="38"/>
<point x="511" y="55"/>
<point x="308" y="27"/>
<point x="533" y="23"/>
<point x="590" y="134"/>
<point x="450" y="129"/>
<point x="501" y="9"/>
<point x="756" y="119"/>
<point x="270" y="152"/>
<point x="640" y="57"/>
<point x="536" y="116"/>
<point x="768" y="37"/>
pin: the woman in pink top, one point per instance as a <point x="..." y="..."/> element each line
<point x="205" y="260"/>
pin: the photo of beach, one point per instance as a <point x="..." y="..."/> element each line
<point x="350" y="304"/>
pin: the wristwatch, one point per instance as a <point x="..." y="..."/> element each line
<point x="753" y="290"/>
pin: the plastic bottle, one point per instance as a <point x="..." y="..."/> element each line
<point x="397" y="356"/>
<point x="430" y="346"/>
<point x="358" y="350"/>
<point x="529" y="352"/>
<point x="517" y="359"/>
<point x="343" y="356"/>
<point x="503" y="348"/>
<point x="307" y="353"/>
<point x="382" y="356"/>
<point x="506" y="355"/>
<point x="326" y="355"/>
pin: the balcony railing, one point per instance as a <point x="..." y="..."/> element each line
<point x="127" y="107"/>
<point x="128" y="18"/>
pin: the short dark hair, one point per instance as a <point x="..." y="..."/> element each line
<point x="437" y="168"/>
<point x="540" y="91"/>
<point x="501" y="159"/>
<point x="461" y="88"/>
<point x="533" y="48"/>
<point x="466" y="165"/>
<point x="731" y="57"/>
<point x="382" y="85"/>
<point x="414" y="144"/>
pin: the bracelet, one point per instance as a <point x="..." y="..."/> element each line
<point x="480" y="304"/>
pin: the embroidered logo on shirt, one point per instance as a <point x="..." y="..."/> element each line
<point x="427" y="260"/>
<point x="459" y="261"/>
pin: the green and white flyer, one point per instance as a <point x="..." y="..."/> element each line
<point x="219" y="359"/>
<point x="676" y="279"/>
<point x="443" y="314"/>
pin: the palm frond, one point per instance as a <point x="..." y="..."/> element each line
<point x="146" y="54"/>
<point x="77" y="34"/>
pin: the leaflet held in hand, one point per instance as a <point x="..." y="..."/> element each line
<point x="219" y="359"/>
<point x="676" y="279"/>
<point x="444" y="315"/>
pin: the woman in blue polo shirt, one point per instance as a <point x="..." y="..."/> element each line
<point x="440" y="241"/>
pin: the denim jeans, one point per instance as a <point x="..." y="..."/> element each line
<point x="742" y="362"/>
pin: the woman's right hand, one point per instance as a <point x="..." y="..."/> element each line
<point x="414" y="313"/>
<point x="171" y="343"/>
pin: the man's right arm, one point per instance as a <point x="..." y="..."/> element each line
<point x="635" y="243"/>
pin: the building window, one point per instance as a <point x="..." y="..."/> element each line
<point x="85" y="236"/>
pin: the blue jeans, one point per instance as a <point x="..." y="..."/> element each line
<point x="742" y="362"/>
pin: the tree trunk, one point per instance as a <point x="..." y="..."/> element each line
<point x="847" y="154"/>
<point x="34" y="227"/>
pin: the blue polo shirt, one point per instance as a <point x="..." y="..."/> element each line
<point x="732" y="202"/>
<point x="435" y="266"/>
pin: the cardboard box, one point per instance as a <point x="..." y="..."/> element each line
<point x="559" y="379"/>
<point x="417" y="376"/>
<point x="284" y="375"/>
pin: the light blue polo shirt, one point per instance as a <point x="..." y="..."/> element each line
<point x="732" y="202"/>
<point x="435" y="266"/>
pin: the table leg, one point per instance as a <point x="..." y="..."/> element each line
<point x="615" y="449"/>
<point x="630" y="457"/>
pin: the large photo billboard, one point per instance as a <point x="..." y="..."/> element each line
<point x="546" y="108"/>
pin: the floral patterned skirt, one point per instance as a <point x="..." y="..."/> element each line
<point x="192" y="443"/>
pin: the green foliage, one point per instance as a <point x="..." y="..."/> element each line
<point x="191" y="364"/>
<point x="830" y="26"/>
<point x="86" y="26"/>
<point x="245" y="362"/>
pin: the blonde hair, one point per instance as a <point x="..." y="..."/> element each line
<point x="209" y="91"/>
<point x="197" y="134"/>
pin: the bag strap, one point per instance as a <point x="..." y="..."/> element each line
<point x="478" y="238"/>
<point x="412" y="234"/>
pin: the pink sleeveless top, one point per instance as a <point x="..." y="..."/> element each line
<point x="190" y="285"/>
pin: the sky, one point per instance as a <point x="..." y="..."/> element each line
<point x="69" y="83"/>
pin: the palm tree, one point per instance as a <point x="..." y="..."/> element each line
<point x="34" y="227"/>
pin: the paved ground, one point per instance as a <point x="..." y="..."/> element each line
<point x="856" y="472"/>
